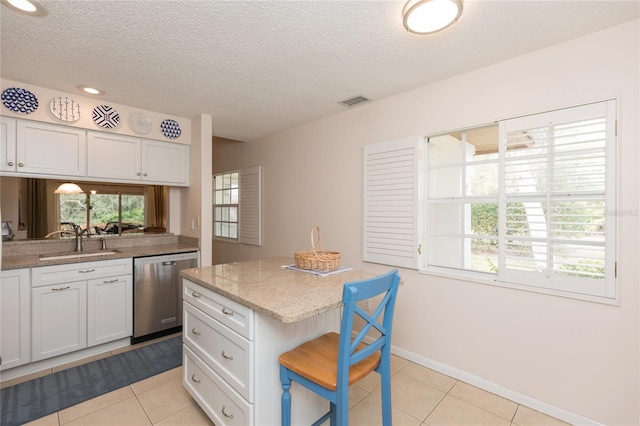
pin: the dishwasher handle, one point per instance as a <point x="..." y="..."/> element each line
<point x="169" y="263"/>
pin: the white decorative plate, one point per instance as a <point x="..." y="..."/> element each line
<point x="171" y="129"/>
<point x="19" y="100"/>
<point x="140" y="123"/>
<point x="106" y="117"/>
<point x="65" y="109"/>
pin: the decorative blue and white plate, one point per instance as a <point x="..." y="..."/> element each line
<point x="65" y="109"/>
<point x="171" y="129"/>
<point x="19" y="100"/>
<point x="106" y="117"/>
<point x="140" y="123"/>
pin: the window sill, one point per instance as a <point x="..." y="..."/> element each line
<point x="226" y="240"/>
<point x="490" y="279"/>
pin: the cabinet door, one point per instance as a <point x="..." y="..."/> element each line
<point x="113" y="156"/>
<point x="165" y="162"/>
<point x="15" y="321"/>
<point x="109" y="309"/>
<point x="50" y="149"/>
<point x="59" y="319"/>
<point x="7" y="144"/>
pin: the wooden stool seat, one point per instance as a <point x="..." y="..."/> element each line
<point x="328" y="364"/>
<point x="317" y="360"/>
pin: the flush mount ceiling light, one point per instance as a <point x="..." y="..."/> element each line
<point x="91" y="90"/>
<point x="429" y="16"/>
<point x="68" y="188"/>
<point x="28" y="7"/>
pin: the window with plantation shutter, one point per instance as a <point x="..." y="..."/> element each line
<point x="557" y="189"/>
<point x="237" y="206"/>
<point x="250" y="206"/>
<point x="390" y="206"/>
<point x="528" y="202"/>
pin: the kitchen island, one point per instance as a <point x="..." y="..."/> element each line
<point x="239" y="317"/>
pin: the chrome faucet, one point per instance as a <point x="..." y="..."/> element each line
<point x="79" y="232"/>
<point x="78" y="238"/>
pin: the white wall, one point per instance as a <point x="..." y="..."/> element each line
<point x="196" y="201"/>
<point x="578" y="357"/>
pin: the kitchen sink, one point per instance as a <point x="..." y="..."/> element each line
<point x="75" y="255"/>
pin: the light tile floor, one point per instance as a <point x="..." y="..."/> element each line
<point x="420" y="397"/>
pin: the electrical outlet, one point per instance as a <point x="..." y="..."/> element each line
<point x="367" y="305"/>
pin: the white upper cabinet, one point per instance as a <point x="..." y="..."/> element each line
<point x="128" y="158"/>
<point x="48" y="149"/>
<point x="113" y="156"/>
<point x="7" y="144"/>
<point x="165" y="162"/>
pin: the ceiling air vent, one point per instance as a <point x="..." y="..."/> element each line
<point x="353" y="101"/>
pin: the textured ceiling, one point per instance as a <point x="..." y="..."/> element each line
<point x="260" y="67"/>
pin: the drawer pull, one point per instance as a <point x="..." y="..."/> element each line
<point x="61" y="288"/>
<point x="110" y="281"/>
<point x="86" y="271"/>
<point x="225" y="356"/>
<point x="196" y="295"/>
<point x="225" y="413"/>
<point x="193" y="377"/>
<point x="227" y="312"/>
<point x="196" y="332"/>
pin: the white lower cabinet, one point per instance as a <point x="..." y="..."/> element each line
<point x="79" y="305"/>
<point x="231" y="355"/>
<point x="15" y="318"/>
<point x="109" y="309"/>
<point x="215" y="396"/>
<point x="59" y="319"/>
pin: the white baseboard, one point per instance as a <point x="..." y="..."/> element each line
<point x="484" y="384"/>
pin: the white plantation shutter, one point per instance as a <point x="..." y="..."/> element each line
<point x="250" y="206"/>
<point x="558" y="185"/>
<point x="390" y="205"/>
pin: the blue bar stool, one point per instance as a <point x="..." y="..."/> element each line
<point x="330" y="363"/>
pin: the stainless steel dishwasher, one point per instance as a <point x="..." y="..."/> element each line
<point x="157" y="294"/>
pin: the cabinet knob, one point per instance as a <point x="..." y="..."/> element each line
<point x="144" y="174"/>
<point x="20" y="164"/>
<point x="227" y="312"/>
<point x="196" y="332"/>
<point x="10" y="163"/>
<point x="225" y="356"/>
<point x="225" y="413"/>
<point x="193" y="377"/>
<point x="138" y="174"/>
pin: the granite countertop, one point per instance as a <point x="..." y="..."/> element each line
<point x="283" y="294"/>
<point x="29" y="254"/>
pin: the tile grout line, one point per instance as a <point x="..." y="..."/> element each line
<point x="141" y="406"/>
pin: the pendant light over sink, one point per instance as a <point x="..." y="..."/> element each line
<point x="68" y="188"/>
<point x="430" y="16"/>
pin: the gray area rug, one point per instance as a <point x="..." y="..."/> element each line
<point x="39" y="397"/>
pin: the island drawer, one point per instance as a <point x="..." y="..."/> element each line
<point x="60" y="274"/>
<point x="214" y="395"/>
<point x="225" y="351"/>
<point x="237" y="317"/>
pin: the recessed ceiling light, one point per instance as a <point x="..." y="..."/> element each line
<point x="91" y="90"/>
<point x="28" y="7"/>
